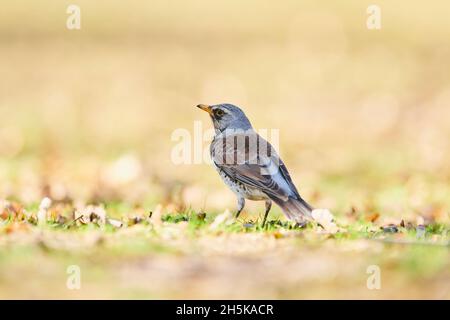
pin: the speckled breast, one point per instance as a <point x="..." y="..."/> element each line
<point x="241" y="189"/>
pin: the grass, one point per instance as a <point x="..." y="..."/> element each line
<point x="182" y="256"/>
<point x="363" y="123"/>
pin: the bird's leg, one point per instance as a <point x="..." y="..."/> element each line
<point x="268" y="206"/>
<point x="241" y="204"/>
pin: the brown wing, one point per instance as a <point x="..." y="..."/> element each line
<point x="250" y="159"/>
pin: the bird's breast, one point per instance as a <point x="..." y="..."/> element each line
<point x="240" y="188"/>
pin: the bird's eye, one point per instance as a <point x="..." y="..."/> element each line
<point x="219" y="113"/>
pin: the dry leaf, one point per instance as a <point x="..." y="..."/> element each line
<point x="326" y="219"/>
<point x="372" y="217"/>
<point x="115" y="223"/>
<point x="156" y="216"/>
<point x="224" y="218"/>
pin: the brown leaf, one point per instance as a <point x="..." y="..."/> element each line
<point x="16" y="227"/>
<point x="372" y="217"/>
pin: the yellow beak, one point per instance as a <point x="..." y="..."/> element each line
<point x="206" y="108"/>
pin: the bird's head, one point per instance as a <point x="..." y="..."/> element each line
<point x="227" y="116"/>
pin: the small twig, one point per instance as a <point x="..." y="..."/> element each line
<point x="72" y="222"/>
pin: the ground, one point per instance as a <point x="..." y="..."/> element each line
<point x="90" y="119"/>
<point x="197" y="255"/>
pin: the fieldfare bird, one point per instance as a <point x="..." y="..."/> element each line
<point x="250" y="166"/>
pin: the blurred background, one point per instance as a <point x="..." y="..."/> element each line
<point x="87" y="115"/>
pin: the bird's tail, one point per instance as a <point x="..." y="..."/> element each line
<point x="295" y="209"/>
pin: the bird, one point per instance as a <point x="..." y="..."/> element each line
<point x="250" y="166"/>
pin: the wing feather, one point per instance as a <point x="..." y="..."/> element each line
<point x="248" y="158"/>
